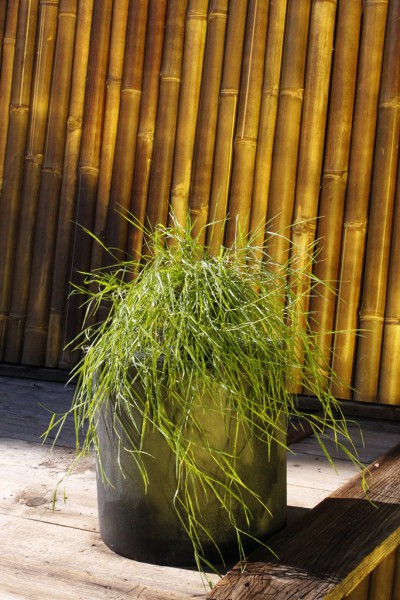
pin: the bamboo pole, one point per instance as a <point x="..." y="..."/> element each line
<point x="58" y="306"/>
<point x="6" y="77"/>
<point x="121" y="187"/>
<point x="207" y="118"/>
<point x="381" y="216"/>
<point x="268" y="116"/>
<point x="14" y="156"/>
<point x="192" y="69"/>
<point x="147" y="121"/>
<point x="111" y="115"/>
<point x="335" y="170"/>
<point x="313" y="120"/>
<point x="46" y="221"/>
<point x="245" y="144"/>
<point x="358" y="191"/>
<point x="165" y="132"/>
<point x="382" y="579"/>
<point x="312" y="137"/>
<point x="390" y="369"/>
<point x="361" y="591"/>
<point x="227" y="113"/>
<point x="45" y="44"/>
<point x="286" y="144"/>
<point x="89" y="160"/>
<point x="3" y="19"/>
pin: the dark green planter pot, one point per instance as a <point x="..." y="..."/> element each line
<point x="145" y="527"/>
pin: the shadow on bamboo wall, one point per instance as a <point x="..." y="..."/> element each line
<point x="284" y="112"/>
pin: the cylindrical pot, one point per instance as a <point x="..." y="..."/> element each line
<point x="144" y="525"/>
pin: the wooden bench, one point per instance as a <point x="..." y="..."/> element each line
<point x="328" y="552"/>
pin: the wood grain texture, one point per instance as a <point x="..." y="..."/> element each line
<point x="328" y="552"/>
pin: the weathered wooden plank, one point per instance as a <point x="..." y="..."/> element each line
<point x="41" y="560"/>
<point x="328" y="552"/>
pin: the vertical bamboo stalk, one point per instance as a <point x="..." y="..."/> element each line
<point x="111" y="115"/>
<point x="268" y="116"/>
<point x="121" y="187"/>
<point x="7" y="66"/>
<point x="89" y="160"/>
<point x="312" y="136"/>
<point x="147" y="120"/>
<point x="381" y="215"/>
<point x="227" y="113"/>
<point x="334" y="178"/>
<point x="382" y="579"/>
<point x="55" y="340"/>
<point x="358" y="191"/>
<point x="3" y="19"/>
<point x="319" y="58"/>
<point x="44" y="241"/>
<point x="45" y="44"/>
<point x="207" y="118"/>
<point x="192" y="68"/>
<point x="165" y="133"/>
<point x="390" y="366"/>
<point x="245" y="144"/>
<point x="14" y="156"/>
<point x="286" y="144"/>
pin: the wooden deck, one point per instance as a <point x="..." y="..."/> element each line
<point x="59" y="554"/>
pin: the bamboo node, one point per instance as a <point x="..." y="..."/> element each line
<point x="271" y="91"/>
<point x="229" y="92"/>
<point x="52" y="171"/>
<point x="218" y="14"/>
<point x="113" y="81"/>
<point x="74" y="123"/>
<point x="9" y="41"/>
<point x="304" y="227"/>
<point x="362" y="225"/>
<point x="196" y="15"/>
<point x="392" y="320"/>
<point x="131" y="92"/>
<point x="391" y="103"/>
<point x="371" y="317"/>
<point x="36" y="159"/>
<point x="18" y="109"/>
<point x="171" y="78"/>
<point x="295" y="93"/>
<point x="246" y="141"/>
<point x="340" y="175"/>
<point x="147" y="136"/>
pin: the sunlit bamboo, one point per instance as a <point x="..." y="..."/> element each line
<point x="380" y="217"/>
<point x="268" y="116"/>
<point x="227" y="113"/>
<point x="246" y="133"/>
<point x="207" y="118"/>
<point x="358" y="193"/>
<point x="335" y="170"/>
<point x="192" y="69"/>
<point x="286" y="144"/>
<point x="167" y="112"/>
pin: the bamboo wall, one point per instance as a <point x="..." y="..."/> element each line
<point x="285" y="112"/>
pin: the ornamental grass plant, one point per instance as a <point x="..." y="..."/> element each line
<point x="183" y="324"/>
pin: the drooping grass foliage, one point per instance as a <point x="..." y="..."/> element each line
<point x="189" y="323"/>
